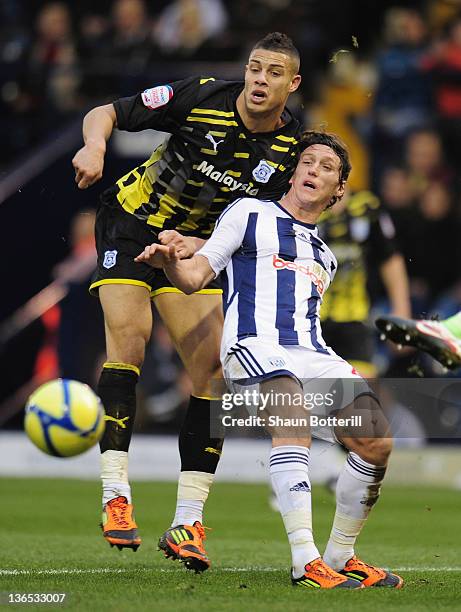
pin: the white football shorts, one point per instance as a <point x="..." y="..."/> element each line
<point x="329" y="383"/>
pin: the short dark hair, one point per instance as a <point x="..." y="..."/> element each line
<point x="328" y="139"/>
<point x="281" y="43"/>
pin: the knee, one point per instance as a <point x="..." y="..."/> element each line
<point x="374" y="450"/>
<point x="206" y="378"/>
<point x="278" y="439"/>
<point x="126" y="344"/>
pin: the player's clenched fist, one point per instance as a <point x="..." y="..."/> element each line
<point x="88" y="163"/>
<point x="158" y="255"/>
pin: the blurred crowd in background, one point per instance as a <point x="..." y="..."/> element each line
<point x="386" y="78"/>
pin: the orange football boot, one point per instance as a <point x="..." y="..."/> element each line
<point x="185" y="543"/>
<point x="319" y="575"/>
<point x="118" y="525"/>
<point x="371" y="576"/>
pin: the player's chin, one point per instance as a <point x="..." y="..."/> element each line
<point x="260" y="106"/>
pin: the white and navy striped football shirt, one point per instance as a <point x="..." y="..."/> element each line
<point x="276" y="272"/>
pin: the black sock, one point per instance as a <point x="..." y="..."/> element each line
<point x="117" y="390"/>
<point x="199" y="452"/>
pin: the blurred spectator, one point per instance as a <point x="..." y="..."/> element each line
<point x="344" y="104"/>
<point x="185" y="25"/>
<point x="118" y="52"/>
<point x="424" y="158"/>
<point x="399" y="197"/>
<point x="443" y="64"/>
<point x="93" y="42"/>
<point x="47" y="364"/>
<point x="428" y="233"/>
<point x="52" y="78"/>
<point x="403" y="96"/>
<point x="46" y="90"/>
<point x="439" y="257"/>
<point x="440" y="13"/>
<point x="130" y="46"/>
<point x="396" y="189"/>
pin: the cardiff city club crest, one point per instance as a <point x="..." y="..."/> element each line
<point x="110" y="259"/>
<point x="263" y="171"/>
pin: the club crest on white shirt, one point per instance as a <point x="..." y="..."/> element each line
<point x="263" y="171"/>
<point x="276" y="362"/>
<point x="110" y="259"/>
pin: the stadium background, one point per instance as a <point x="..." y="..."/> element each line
<point x="374" y="72"/>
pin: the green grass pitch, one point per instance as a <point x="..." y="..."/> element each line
<point x="50" y="542"/>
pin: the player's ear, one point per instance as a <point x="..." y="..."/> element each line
<point x="295" y="82"/>
<point x="341" y="189"/>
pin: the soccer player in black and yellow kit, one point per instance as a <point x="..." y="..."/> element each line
<point x="228" y="139"/>
<point x="362" y="237"/>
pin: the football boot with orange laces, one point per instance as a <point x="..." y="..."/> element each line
<point x="118" y="525"/>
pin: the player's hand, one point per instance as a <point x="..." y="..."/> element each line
<point x="88" y="163"/>
<point x="185" y="245"/>
<point x="158" y="255"/>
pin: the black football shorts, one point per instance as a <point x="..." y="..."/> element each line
<point x="353" y="341"/>
<point x="120" y="237"/>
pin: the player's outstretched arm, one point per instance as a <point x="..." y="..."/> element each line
<point x="88" y="162"/>
<point x="188" y="275"/>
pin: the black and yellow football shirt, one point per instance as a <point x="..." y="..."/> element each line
<point x="209" y="159"/>
<point x="362" y="238"/>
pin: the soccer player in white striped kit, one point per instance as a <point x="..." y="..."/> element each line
<point x="276" y="270"/>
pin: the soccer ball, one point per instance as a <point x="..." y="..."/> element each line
<point x="64" y="418"/>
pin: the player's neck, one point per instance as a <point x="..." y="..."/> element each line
<point x="260" y="122"/>
<point x="301" y="212"/>
<point x="339" y="207"/>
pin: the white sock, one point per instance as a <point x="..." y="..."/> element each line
<point x="357" y="491"/>
<point x="187" y="512"/>
<point x="114" y="475"/>
<point x="290" y="481"/>
<point x="193" y="489"/>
